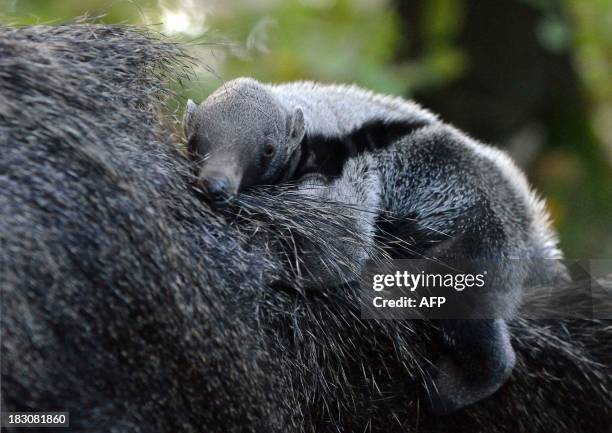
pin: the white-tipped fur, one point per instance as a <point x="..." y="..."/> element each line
<point x="540" y="228"/>
<point x="332" y="109"/>
<point x="337" y="110"/>
<point x="358" y="189"/>
<point x="453" y="199"/>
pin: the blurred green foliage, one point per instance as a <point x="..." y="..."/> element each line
<point x="359" y="40"/>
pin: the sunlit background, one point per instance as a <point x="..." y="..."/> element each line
<point x="531" y="76"/>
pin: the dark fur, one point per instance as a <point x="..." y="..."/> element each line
<point x="470" y="203"/>
<point x="328" y="155"/>
<point x="127" y="302"/>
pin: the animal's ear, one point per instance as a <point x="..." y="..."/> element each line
<point x="297" y="128"/>
<point x="189" y="121"/>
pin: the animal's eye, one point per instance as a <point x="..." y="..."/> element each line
<point x="268" y="150"/>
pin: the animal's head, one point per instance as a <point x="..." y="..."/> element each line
<point x="241" y="136"/>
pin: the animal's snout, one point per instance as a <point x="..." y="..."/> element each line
<point x="218" y="188"/>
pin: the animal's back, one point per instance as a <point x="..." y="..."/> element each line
<point x="332" y="109"/>
<point x="169" y="329"/>
<point x="443" y="177"/>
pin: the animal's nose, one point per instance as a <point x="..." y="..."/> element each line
<point x="217" y="188"/>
